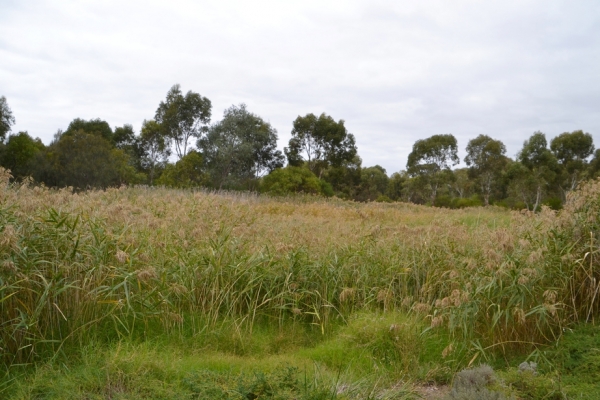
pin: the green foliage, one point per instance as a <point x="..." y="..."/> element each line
<point x="96" y="127"/>
<point x="320" y="142"/>
<point x="542" y="171"/>
<point x="124" y="137"/>
<point x="240" y="149"/>
<point x="282" y="384"/>
<point x="593" y="170"/>
<point x="431" y="159"/>
<point x="574" y="146"/>
<point x="486" y="159"/>
<point x="188" y="172"/>
<point x="84" y="160"/>
<point x="396" y="185"/>
<point x="572" y="150"/>
<point x="344" y="179"/>
<point x="528" y="384"/>
<point x="374" y="183"/>
<point x="19" y="154"/>
<point x="524" y="186"/>
<point x="153" y="148"/>
<point x="284" y="181"/>
<point x="183" y="117"/>
<point x="7" y="119"/>
<point x="473" y="201"/>
<point x="458" y="202"/>
<point x="553" y="203"/>
<point x="577" y="358"/>
<point x="383" y="199"/>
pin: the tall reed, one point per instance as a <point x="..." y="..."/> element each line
<point x="122" y="262"/>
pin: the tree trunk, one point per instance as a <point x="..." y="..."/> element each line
<point x="538" y="198"/>
<point x="433" y="194"/>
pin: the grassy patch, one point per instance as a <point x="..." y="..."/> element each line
<point x="158" y="371"/>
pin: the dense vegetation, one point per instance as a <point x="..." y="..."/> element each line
<point x="240" y="151"/>
<point x="156" y="293"/>
<point x="126" y="275"/>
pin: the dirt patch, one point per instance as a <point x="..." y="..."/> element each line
<point x="432" y="392"/>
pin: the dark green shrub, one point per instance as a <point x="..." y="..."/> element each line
<point x="284" y="181"/>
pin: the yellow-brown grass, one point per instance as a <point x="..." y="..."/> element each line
<point x="128" y="258"/>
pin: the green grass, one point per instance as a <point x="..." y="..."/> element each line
<point x="375" y="354"/>
<point x="191" y="368"/>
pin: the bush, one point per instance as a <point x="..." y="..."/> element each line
<point x="383" y="199"/>
<point x="554" y="203"/>
<point x="281" y="384"/>
<point x="284" y="181"/>
<point x="473" y="201"/>
<point x="185" y="173"/>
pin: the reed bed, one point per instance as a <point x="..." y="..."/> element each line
<point x="131" y="261"/>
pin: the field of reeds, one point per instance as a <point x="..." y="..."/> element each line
<point x="416" y="293"/>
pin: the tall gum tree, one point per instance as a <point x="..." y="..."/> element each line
<point x="431" y="160"/>
<point x="239" y="149"/>
<point x="320" y="142"/>
<point x="154" y="149"/>
<point x="540" y="162"/>
<point x="183" y="117"/>
<point x="572" y="151"/>
<point x="7" y="120"/>
<point x="486" y="159"/>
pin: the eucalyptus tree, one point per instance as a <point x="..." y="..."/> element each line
<point x="374" y="183"/>
<point x="7" y="120"/>
<point x="572" y="151"/>
<point x="154" y="148"/>
<point x="486" y="158"/>
<point x="541" y="163"/>
<point x="239" y="149"/>
<point x="124" y="137"/>
<point x="461" y="186"/>
<point x="396" y="184"/>
<point x="96" y="127"/>
<point x="431" y="160"/>
<point x="320" y="142"/>
<point x="183" y="117"/>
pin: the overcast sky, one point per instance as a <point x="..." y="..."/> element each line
<point x="395" y="71"/>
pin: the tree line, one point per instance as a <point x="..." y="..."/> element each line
<point x="180" y="147"/>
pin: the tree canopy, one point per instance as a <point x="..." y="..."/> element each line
<point x="240" y="148"/>
<point x="432" y="158"/>
<point x="486" y="159"/>
<point x="96" y="127"/>
<point x="153" y="148"/>
<point x="320" y="142"/>
<point x="19" y="154"/>
<point x="240" y="152"/>
<point x="84" y="160"/>
<point x="183" y="117"/>
<point x="572" y="151"/>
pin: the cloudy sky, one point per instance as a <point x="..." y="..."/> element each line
<point x="395" y="71"/>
